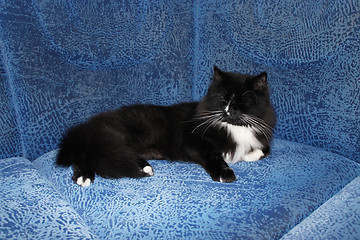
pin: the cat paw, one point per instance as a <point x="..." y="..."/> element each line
<point x="83" y="182"/>
<point x="148" y="170"/>
<point x="227" y="176"/>
<point x="254" y="155"/>
<point x="82" y="178"/>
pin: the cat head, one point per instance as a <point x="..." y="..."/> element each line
<point x="235" y="98"/>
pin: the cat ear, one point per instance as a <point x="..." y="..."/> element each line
<point x="217" y="74"/>
<point x="260" y="81"/>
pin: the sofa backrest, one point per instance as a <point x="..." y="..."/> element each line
<point x="69" y="60"/>
<point x="10" y="142"/>
<point x="65" y="61"/>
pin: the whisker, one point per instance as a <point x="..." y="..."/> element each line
<point x="201" y="124"/>
<point x="259" y="125"/>
<point x="259" y="122"/>
<point x="208" y="119"/>
<point x="205" y="114"/>
<point x="214" y="123"/>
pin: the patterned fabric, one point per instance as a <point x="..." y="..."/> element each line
<point x="180" y="201"/>
<point x="30" y="208"/>
<point x="70" y="60"/>
<point x="9" y="133"/>
<point x="63" y="61"/>
<point x="338" y="218"/>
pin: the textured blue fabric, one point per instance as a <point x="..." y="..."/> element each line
<point x="30" y="208"/>
<point x="310" y="50"/>
<point x="338" y="218"/>
<point x="10" y="143"/>
<point x="70" y="60"/>
<point x="181" y="201"/>
<point x="63" y="61"/>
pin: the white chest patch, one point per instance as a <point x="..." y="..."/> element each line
<point x="246" y="141"/>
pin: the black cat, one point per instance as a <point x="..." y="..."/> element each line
<point x="233" y="122"/>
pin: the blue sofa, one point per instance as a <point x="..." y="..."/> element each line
<point x="64" y="61"/>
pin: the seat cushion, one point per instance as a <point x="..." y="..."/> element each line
<point x="270" y="197"/>
<point x="30" y="208"/>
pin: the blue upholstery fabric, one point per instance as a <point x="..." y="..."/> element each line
<point x="181" y="201"/>
<point x="66" y="65"/>
<point x="10" y="143"/>
<point x="64" y="61"/>
<point x="30" y="208"/>
<point x="338" y="218"/>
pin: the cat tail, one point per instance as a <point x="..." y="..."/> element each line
<point x="72" y="147"/>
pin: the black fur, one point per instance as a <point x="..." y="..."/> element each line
<point x="117" y="143"/>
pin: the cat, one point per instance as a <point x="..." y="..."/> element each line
<point x="233" y="122"/>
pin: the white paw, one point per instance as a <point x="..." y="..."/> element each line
<point x="148" y="170"/>
<point x="254" y="155"/>
<point x="80" y="181"/>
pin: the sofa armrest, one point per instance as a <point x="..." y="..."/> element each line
<point x="30" y="208"/>
<point x="338" y="218"/>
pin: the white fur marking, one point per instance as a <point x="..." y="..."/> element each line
<point x="80" y="181"/>
<point x="253" y="156"/>
<point x="245" y="140"/>
<point x="86" y="183"/>
<point x="148" y="170"/>
<point x="227" y="109"/>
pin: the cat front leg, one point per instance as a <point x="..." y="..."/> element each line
<point x="212" y="162"/>
<point x="257" y="154"/>
<point x="218" y="169"/>
<point x="227" y="176"/>
<point x="254" y="155"/>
